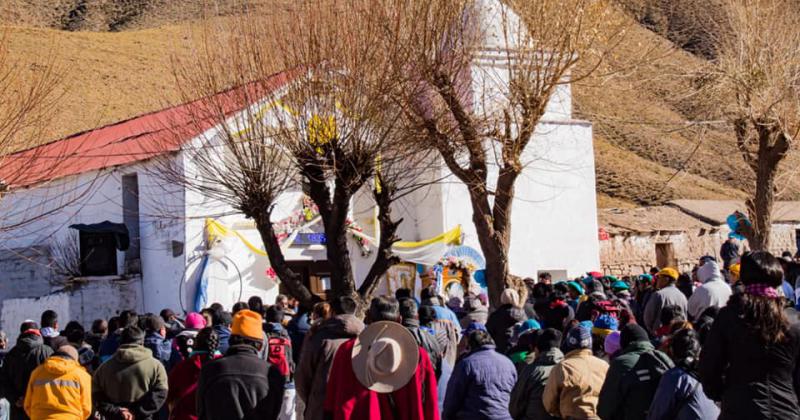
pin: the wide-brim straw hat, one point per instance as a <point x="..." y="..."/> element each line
<point x="385" y="356"/>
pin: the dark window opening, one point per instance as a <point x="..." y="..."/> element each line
<point x="98" y="254"/>
<point x="130" y="217"/>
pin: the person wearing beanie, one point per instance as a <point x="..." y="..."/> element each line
<point x="612" y="345"/>
<point x="573" y="387"/>
<point x="59" y="388"/>
<point x="526" y="397"/>
<point x="184" y="341"/>
<point x="18" y="365"/>
<point x="524" y="340"/>
<point x="183" y="378"/>
<point x="667" y="294"/>
<point x="132" y="381"/>
<point x="749" y="357"/>
<point x="236" y="386"/>
<point x="714" y="291"/>
<point x="632" y="377"/>
<point x="603" y="326"/>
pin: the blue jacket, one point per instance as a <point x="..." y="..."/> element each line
<point x="446" y="313"/>
<point x="480" y="387"/>
<point x="161" y="347"/>
<point x="680" y="396"/>
<point x="224" y="334"/>
<point x="298" y="328"/>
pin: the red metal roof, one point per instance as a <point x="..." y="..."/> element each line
<point x="130" y="141"/>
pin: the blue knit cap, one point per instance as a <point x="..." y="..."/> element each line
<point x="578" y="338"/>
<point x="606" y="322"/>
<point x="528" y="325"/>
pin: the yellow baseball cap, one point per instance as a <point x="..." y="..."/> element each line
<point x="669" y="272"/>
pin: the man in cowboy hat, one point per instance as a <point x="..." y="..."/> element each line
<point x="236" y="385"/>
<point x="382" y="373"/>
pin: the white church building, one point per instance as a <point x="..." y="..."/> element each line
<point x="155" y="251"/>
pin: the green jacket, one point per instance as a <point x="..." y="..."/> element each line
<point x="526" y="397"/>
<point x="132" y="379"/>
<point x="628" y="388"/>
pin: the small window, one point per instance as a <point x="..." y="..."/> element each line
<point x="98" y="254"/>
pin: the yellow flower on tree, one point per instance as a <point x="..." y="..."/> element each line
<point x="321" y="131"/>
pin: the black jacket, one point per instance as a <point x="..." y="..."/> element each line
<point x="501" y="325"/>
<point x="234" y="387"/>
<point x="18" y="365"/>
<point x="428" y="342"/>
<point x="753" y="381"/>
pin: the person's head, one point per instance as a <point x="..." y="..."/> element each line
<point x="542" y="290"/>
<point x="74" y="325"/>
<point x="632" y="333"/>
<point x="408" y="309"/>
<point x="548" y="339"/>
<point x="274" y="314"/>
<point x="426" y="314"/>
<point x="132" y="335"/>
<point x="195" y="321"/>
<point x="403" y="293"/>
<point x="208" y="315"/>
<point x="100" y="327"/>
<point x="383" y="309"/>
<point x="168" y="315"/>
<point x="478" y="338"/>
<point x="654" y="271"/>
<point x="49" y="319"/>
<point x="113" y="324"/>
<point x="153" y="324"/>
<point x="684" y="348"/>
<point x="344" y="305"/>
<point x="67" y="352"/>
<point x="666" y="277"/>
<point x="321" y="311"/>
<point x="216" y="306"/>
<point x="545" y="278"/>
<point x="761" y="306"/>
<point x="509" y="297"/>
<point x="221" y="318"/>
<point x="238" y="306"/>
<point x="28" y="325"/>
<point x="75" y="335"/>
<point x="127" y="318"/>
<point x="247" y="329"/>
<point x="671" y="313"/>
<point x="578" y="338"/>
<point x="574" y="289"/>
<point x="282" y="301"/>
<point x="207" y="340"/>
<point x="255" y="304"/>
<point x="429" y="296"/>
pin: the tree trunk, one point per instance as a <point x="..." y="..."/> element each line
<point x="760" y="206"/>
<point x="384" y="257"/>
<point x="288" y="278"/>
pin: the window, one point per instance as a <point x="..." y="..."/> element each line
<point x="98" y="254"/>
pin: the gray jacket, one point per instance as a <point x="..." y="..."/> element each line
<point x="667" y="296"/>
<point x="526" y="397"/>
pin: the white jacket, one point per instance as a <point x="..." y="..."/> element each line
<point x="715" y="291"/>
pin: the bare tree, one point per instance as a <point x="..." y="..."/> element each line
<point x="476" y="129"/>
<point x="753" y="85"/>
<point x="327" y="124"/>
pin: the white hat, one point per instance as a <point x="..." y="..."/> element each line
<point x="385" y="356"/>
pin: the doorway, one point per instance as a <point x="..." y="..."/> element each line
<point x="665" y="256"/>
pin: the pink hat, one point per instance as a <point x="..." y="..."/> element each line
<point x="195" y="321"/>
<point x="612" y="343"/>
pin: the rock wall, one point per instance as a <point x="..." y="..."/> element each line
<point x="635" y="253"/>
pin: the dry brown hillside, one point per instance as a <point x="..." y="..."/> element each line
<point x="649" y="147"/>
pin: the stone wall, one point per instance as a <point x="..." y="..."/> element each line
<point x="24" y="272"/>
<point x="628" y="254"/>
<point x="97" y="298"/>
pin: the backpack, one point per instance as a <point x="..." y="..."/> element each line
<point x="640" y="383"/>
<point x="279" y="355"/>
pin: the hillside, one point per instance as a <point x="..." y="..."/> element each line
<point x="119" y="54"/>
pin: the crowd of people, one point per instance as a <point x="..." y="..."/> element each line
<point x="720" y="342"/>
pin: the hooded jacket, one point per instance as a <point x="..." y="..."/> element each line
<point x="714" y="291"/>
<point x="19" y="363"/>
<point x="680" y="396"/>
<point x="501" y="325"/>
<point x="480" y="387"/>
<point x="319" y="349"/>
<point x="667" y="296"/>
<point x="616" y="397"/>
<point x="574" y="385"/>
<point x="428" y="342"/>
<point x="130" y="379"/>
<point x="183" y="378"/>
<point x="224" y="333"/>
<point x="59" y="389"/>
<point x="234" y="387"/>
<point x="526" y="398"/>
<point x="161" y="347"/>
<point x="752" y="380"/>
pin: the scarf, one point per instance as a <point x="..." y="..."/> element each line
<point x="761" y="289"/>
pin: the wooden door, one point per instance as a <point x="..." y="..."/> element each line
<point x="665" y="256"/>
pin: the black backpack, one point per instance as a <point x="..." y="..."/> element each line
<point x="640" y="383"/>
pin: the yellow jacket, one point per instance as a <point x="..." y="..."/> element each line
<point x="59" y="389"/>
<point x="573" y="388"/>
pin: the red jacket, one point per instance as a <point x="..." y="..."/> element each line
<point x="183" y="386"/>
<point x="347" y="399"/>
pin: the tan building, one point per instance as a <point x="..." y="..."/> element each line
<point x="677" y="234"/>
